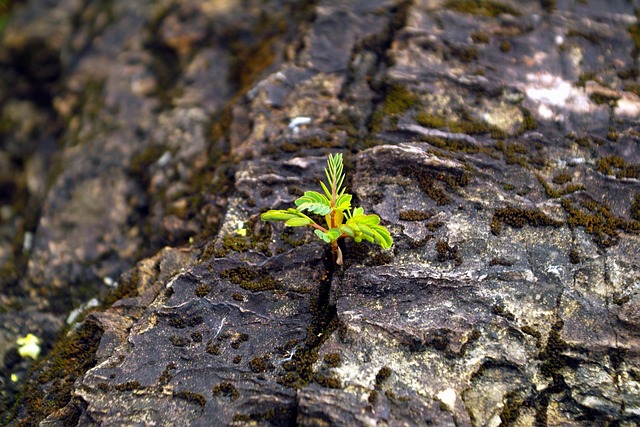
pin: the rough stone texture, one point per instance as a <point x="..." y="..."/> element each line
<point x="497" y="142"/>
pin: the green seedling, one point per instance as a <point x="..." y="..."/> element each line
<point x="335" y="205"/>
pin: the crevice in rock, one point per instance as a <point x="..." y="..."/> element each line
<point x="323" y="324"/>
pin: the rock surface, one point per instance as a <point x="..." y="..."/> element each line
<point x="497" y="141"/>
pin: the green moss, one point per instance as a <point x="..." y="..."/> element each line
<point x="562" y="178"/>
<point x="634" y="32"/>
<point x="551" y="356"/>
<point x="574" y="256"/>
<point x="482" y="8"/>
<point x="53" y="375"/>
<point x="259" y="364"/>
<point x="383" y="374"/>
<point x="433" y="226"/>
<point x="414" y="215"/>
<point x="480" y="37"/>
<point x="598" y="221"/>
<point x="238" y="297"/>
<point x="466" y="54"/>
<point x="235" y="243"/>
<point x="501" y="261"/>
<point x="444" y="252"/>
<point x="288" y="236"/>
<point x="180" y="322"/>
<point x="399" y="100"/>
<point x="511" y="409"/>
<point x="635" y="207"/>
<point x="166" y="375"/>
<point x="454" y="145"/>
<point x="548" y="5"/>
<point x="332" y="360"/>
<point x="212" y="348"/>
<point x="239" y="339"/>
<point x="509" y="187"/>
<point x="129" y="386"/>
<point x="590" y="36"/>
<point x="505" y="46"/>
<point x="584" y="77"/>
<point x="250" y="279"/>
<point x="179" y="341"/>
<point x="632" y="87"/>
<point x="529" y="122"/>
<point x="552" y="193"/>
<point x="328" y="382"/>
<point x="532" y="332"/>
<point x="499" y="310"/>
<point x="513" y="153"/>
<point x="519" y="217"/>
<point x="430" y="120"/>
<point x="609" y="165"/>
<point x="203" y="290"/>
<point x="226" y="389"/>
<point x="604" y="99"/>
<point x="428" y="181"/>
<point x="191" y="397"/>
<point x="612" y="134"/>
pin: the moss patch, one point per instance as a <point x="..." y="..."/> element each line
<point x="399" y="100"/>
<point x="519" y="217"/>
<point x="598" y="221"/>
<point x="226" y="390"/>
<point x="191" y="397"/>
<point x="432" y="181"/>
<point x="444" y="253"/>
<point x="53" y="376"/>
<point x="250" y="279"/>
<point x="616" y="165"/>
<point x="414" y="215"/>
<point x="482" y="8"/>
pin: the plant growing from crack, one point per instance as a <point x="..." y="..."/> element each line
<point x="335" y="205"/>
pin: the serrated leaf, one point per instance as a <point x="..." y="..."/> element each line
<point x="314" y="202"/>
<point x="298" y="222"/>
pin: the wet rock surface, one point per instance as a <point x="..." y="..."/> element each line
<point x="498" y="142"/>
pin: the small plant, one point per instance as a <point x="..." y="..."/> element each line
<point x="335" y="206"/>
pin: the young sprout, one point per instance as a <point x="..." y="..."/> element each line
<point x="335" y="205"/>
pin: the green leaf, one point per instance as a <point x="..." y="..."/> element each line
<point x="347" y="230"/>
<point x="314" y="202"/>
<point x="321" y="234"/>
<point x="334" y="233"/>
<point x="277" y="215"/>
<point x="382" y="236"/>
<point x="326" y="190"/>
<point x="298" y="222"/>
<point x="344" y="202"/>
<point x="367" y="227"/>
